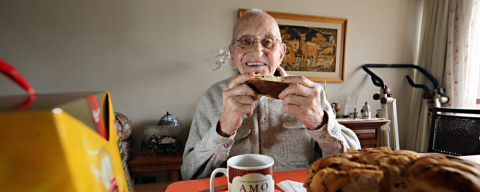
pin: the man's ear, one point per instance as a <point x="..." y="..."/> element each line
<point x="282" y="51"/>
<point x="230" y="50"/>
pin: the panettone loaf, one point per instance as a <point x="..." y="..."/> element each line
<point x="449" y="173"/>
<point x="385" y="170"/>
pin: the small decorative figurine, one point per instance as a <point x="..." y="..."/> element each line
<point x="333" y="110"/>
<point x="366" y="111"/>
<point x="336" y="108"/>
<point x="124" y="126"/>
<point x="355" y="113"/>
<point x="169" y="120"/>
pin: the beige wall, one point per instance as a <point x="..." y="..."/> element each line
<point x="158" y="56"/>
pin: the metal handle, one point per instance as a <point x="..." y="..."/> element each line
<point x="14" y="75"/>
<point x="379" y="82"/>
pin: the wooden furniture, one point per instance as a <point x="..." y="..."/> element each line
<point x="170" y="163"/>
<point x="368" y="131"/>
<point x="156" y="187"/>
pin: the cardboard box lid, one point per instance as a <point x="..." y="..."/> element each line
<point x="86" y="106"/>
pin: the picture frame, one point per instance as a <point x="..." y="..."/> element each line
<point x="163" y="140"/>
<point x="315" y="45"/>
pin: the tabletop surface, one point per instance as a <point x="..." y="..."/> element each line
<point x="203" y="185"/>
<point x="474" y="158"/>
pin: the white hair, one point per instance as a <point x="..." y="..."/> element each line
<point x="254" y="10"/>
<point x="251" y="12"/>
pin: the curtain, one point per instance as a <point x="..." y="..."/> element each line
<point x="444" y="53"/>
<point x="431" y="57"/>
<point x="473" y="58"/>
<point x="461" y="75"/>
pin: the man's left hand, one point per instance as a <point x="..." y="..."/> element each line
<point x="302" y="98"/>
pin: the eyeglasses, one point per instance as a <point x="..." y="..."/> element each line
<point x="247" y="41"/>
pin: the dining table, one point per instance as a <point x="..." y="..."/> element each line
<point x="221" y="185"/>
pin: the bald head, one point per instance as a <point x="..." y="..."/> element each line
<point x="257" y="58"/>
<point x="252" y="17"/>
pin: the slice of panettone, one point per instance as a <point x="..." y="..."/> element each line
<point x="267" y="85"/>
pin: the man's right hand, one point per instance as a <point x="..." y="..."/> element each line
<point x="238" y="99"/>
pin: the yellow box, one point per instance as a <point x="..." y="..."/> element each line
<point x="59" y="142"/>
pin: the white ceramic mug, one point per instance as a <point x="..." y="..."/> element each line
<point x="248" y="172"/>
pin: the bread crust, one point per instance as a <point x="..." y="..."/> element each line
<point x="383" y="169"/>
<point x="443" y="172"/>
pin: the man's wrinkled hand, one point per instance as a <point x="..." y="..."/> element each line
<point x="238" y="99"/>
<point x="302" y="98"/>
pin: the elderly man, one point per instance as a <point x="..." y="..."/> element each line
<point x="232" y="119"/>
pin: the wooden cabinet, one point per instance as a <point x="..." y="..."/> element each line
<point x="170" y="163"/>
<point x="368" y="131"/>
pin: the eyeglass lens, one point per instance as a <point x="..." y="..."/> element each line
<point x="247" y="42"/>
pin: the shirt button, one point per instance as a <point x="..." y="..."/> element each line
<point x="264" y="122"/>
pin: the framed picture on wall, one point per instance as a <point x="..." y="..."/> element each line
<point x="315" y="45"/>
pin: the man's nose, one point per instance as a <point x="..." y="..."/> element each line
<point x="257" y="47"/>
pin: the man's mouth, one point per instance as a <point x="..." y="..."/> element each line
<point x="256" y="64"/>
